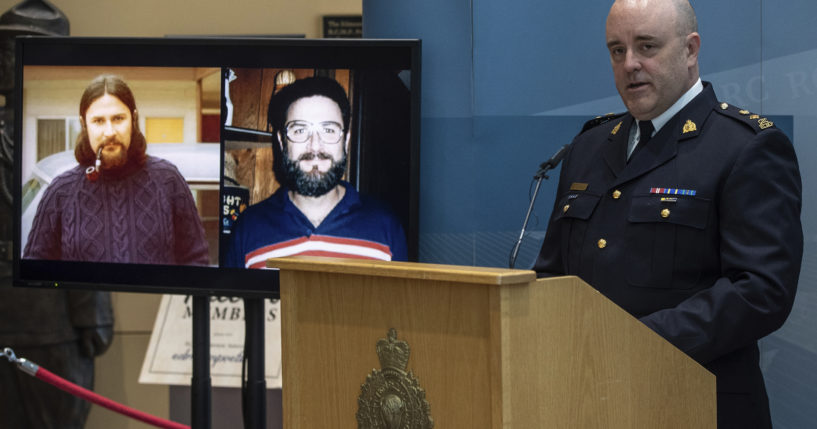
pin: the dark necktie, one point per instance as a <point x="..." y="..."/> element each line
<point x="646" y="129"/>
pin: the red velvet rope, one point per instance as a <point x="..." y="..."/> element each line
<point x="61" y="383"/>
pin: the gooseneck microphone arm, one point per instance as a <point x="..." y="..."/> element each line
<point x="540" y="174"/>
<point x="551" y="163"/>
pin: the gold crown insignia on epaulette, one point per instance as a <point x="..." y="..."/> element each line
<point x="762" y="123"/>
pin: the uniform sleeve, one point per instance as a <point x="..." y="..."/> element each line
<point x="90" y="309"/>
<point x="761" y="247"/>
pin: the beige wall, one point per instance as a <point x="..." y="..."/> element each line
<point x="118" y="369"/>
<point x="156" y="18"/>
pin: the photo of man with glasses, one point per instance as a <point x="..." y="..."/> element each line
<point x="314" y="211"/>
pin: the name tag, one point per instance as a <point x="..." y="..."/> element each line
<point x="576" y="186"/>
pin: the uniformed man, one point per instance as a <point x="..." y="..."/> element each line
<point x="685" y="211"/>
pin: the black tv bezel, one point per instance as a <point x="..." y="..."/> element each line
<point x="240" y="52"/>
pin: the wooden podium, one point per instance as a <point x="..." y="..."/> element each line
<point x="491" y="348"/>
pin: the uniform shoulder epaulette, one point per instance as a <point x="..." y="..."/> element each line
<point x="756" y="122"/>
<point x="598" y="120"/>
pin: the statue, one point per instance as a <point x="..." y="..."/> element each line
<point x="61" y="330"/>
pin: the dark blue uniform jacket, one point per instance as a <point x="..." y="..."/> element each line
<point x="698" y="236"/>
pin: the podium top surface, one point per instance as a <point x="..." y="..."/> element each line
<point x="409" y="270"/>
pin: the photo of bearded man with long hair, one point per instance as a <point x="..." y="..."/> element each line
<point x="119" y="204"/>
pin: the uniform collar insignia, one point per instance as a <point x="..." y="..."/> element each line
<point x="617" y="127"/>
<point x="690" y="126"/>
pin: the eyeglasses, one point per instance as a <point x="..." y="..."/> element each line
<point x="301" y="131"/>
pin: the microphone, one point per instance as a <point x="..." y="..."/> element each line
<point x="552" y="162"/>
<point x="541" y="174"/>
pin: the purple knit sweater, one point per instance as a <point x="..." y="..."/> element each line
<point x="145" y="216"/>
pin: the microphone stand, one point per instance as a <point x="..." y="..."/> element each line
<point x="541" y="174"/>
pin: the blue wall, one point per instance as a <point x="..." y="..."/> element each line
<point x="508" y="82"/>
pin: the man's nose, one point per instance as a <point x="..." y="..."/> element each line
<point x="632" y="62"/>
<point x="314" y="140"/>
<point x="108" y="129"/>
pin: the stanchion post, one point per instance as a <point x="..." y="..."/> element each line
<point x="201" y="395"/>
<point x="255" y="406"/>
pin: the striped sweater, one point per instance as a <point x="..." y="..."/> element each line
<point x="356" y="228"/>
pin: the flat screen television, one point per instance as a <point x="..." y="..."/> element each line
<point x="202" y="106"/>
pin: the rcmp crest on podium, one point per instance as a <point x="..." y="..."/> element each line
<point x="392" y="398"/>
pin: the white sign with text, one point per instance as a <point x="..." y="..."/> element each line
<point x="169" y="358"/>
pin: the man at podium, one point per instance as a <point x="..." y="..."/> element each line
<point x="684" y="210"/>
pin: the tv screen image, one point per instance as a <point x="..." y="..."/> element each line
<point x="165" y="165"/>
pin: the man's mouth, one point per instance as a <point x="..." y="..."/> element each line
<point x="112" y="143"/>
<point x="637" y="85"/>
<point x="113" y="154"/>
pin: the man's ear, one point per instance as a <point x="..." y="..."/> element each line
<point x="693" y="46"/>
<point x="280" y="141"/>
<point x="135" y="115"/>
<point x="348" y="139"/>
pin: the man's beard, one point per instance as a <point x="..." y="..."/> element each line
<point x="313" y="183"/>
<point x="115" y="161"/>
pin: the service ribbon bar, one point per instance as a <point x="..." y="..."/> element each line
<point x="672" y="191"/>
